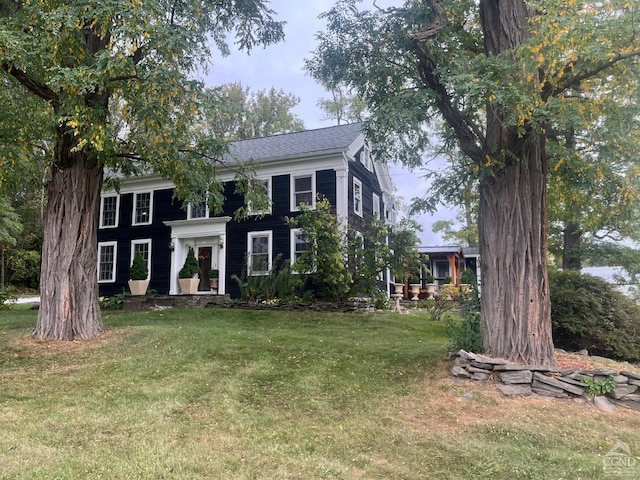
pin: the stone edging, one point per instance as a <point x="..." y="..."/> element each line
<point x="548" y="381"/>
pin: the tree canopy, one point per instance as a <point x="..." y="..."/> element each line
<point x="499" y="75"/>
<point x="235" y="113"/>
<point x="109" y="86"/>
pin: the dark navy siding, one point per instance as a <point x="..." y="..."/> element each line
<point x="164" y="208"/>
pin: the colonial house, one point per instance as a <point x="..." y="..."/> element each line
<point x="143" y="217"/>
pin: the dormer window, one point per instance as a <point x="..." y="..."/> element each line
<point x="365" y="158"/>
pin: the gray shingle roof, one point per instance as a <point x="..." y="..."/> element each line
<point x="307" y="142"/>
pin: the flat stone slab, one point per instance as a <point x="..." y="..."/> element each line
<point x="576" y="390"/>
<point x="632" y="397"/>
<point x="519" y="376"/>
<point x="633" y="381"/>
<point x="457" y="371"/>
<point x="622" y="390"/>
<point x="490" y="360"/>
<point x="548" y="393"/>
<point x="600" y="372"/>
<point x="572" y="381"/>
<point x="543" y="386"/>
<point x="472" y="369"/>
<point x="603" y="403"/>
<point x="533" y="368"/>
<point x="481" y="377"/>
<point x="484" y="366"/>
<point x="635" y="376"/>
<point x="513" y="390"/>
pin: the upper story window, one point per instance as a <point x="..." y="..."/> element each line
<point x="357" y="196"/>
<point x="198" y="210"/>
<point x="142" y="208"/>
<point x="303" y="191"/>
<point x="376" y="206"/>
<point x="365" y="158"/>
<point x="109" y="206"/>
<point x="263" y="187"/>
<point x="107" y="252"/>
<point x="259" y="252"/>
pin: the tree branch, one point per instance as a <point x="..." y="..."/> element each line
<point x="468" y="134"/>
<point x="549" y="92"/>
<point x="39" y="89"/>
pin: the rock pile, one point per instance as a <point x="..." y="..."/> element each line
<point x="546" y="380"/>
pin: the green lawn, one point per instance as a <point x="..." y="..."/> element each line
<point x="236" y="394"/>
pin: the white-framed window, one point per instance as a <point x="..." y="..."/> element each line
<point x="299" y="245"/>
<point x="198" y="210"/>
<point x="357" y="196"/>
<point x="143" y="247"/>
<point x="107" y="253"/>
<point x="109" y="207"/>
<point x="303" y="191"/>
<point x="376" y="206"/>
<point x="265" y="185"/>
<point x="259" y="252"/>
<point x="142" y="208"/>
<point x="365" y="158"/>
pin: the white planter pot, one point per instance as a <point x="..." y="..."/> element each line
<point x="138" y="287"/>
<point x="189" y="286"/>
<point x="415" y="291"/>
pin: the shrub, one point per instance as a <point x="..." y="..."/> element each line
<point x="468" y="277"/>
<point x="6" y="298"/>
<point x="138" y="270"/>
<point x="466" y="333"/>
<point x="280" y="283"/>
<point x="589" y="313"/>
<point x="190" y="268"/>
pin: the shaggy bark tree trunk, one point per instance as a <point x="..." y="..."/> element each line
<point x="69" y="307"/>
<point x="512" y="229"/>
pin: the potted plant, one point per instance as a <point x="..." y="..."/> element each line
<point x="213" y="280"/>
<point x="138" y="273"/>
<point x="188" y="275"/>
<point x="469" y="281"/>
<point x="414" y="286"/>
<point x="431" y="286"/>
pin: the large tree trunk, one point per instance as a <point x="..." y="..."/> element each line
<point x="512" y="229"/>
<point x="572" y="247"/>
<point x="69" y="307"/>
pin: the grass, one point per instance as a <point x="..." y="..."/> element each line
<point x="217" y="394"/>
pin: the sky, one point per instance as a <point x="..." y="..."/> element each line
<point x="281" y="66"/>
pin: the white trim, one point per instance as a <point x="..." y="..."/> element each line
<point x="113" y="265"/>
<point x="268" y="210"/>
<point x="357" y="199"/>
<point x="142" y="242"/>
<point x="293" y="178"/>
<point x="250" y="237"/>
<point x="294" y="233"/>
<point x="117" y="220"/>
<point x="376" y="205"/>
<point x="192" y="233"/>
<point x="135" y="202"/>
<point x="190" y="215"/>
